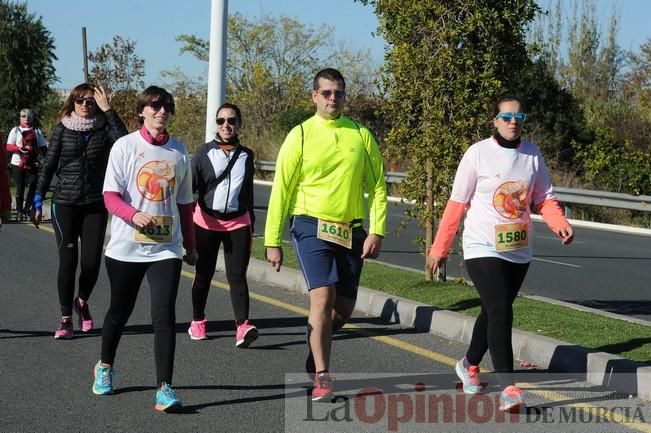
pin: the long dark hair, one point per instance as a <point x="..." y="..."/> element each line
<point x="78" y="91"/>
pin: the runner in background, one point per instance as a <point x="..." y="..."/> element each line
<point x="148" y="190"/>
<point x="26" y="143"/>
<point x="222" y="175"/>
<point x="323" y="169"/>
<point x="497" y="181"/>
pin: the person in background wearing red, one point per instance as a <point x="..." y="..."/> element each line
<point x="26" y="143"/>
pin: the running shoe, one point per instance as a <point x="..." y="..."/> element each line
<point x="245" y="335"/>
<point x="322" y="390"/>
<point x="310" y="366"/>
<point x="65" y="331"/>
<point x="103" y="383"/>
<point x="166" y="399"/>
<point x="85" y="319"/>
<point x="511" y="399"/>
<point x="469" y="375"/>
<point x="197" y="329"/>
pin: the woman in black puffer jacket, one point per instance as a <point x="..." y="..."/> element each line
<point x="78" y="153"/>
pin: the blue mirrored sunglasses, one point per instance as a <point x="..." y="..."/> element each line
<point x="519" y="117"/>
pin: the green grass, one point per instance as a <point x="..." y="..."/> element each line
<point x="590" y="330"/>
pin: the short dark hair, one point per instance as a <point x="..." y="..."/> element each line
<point x="508" y="98"/>
<point x="328" y="74"/>
<point x="154" y="93"/>
<point x="233" y="107"/>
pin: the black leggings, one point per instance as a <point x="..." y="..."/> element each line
<point x="237" y="252"/>
<point x="126" y="277"/>
<point x="71" y="223"/>
<point x="498" y="282"/>
<point x="24" y="179"/>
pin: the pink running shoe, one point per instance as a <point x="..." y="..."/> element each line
<point x="85" y="319"/>
<point x="322" y="390"/>
<point x="246" y="334"/>
<point x="65" y="331"/>
<point x="197" y="329"/>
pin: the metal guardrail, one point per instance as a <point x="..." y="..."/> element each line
<point x="564" y="195"/>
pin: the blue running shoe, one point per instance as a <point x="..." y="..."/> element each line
<point x="469" y="375"/>
<point x="166" y="399"/>
<point x="103" y="383"/>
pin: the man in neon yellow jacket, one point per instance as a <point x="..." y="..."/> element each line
<point x="323" y="169"/>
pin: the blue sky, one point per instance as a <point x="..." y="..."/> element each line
<point x="155" y="24"/>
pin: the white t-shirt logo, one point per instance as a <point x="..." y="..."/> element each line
<point x="510" y="199"/>
<point x="156" y="179"/>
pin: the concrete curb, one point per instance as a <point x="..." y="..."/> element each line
<point x="597" y="368"/>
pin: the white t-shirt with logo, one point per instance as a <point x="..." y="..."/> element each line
<point x="152" y="179"/>
<point x="499" y="185"/>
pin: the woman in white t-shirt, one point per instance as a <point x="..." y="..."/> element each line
<point x="497" y="181"/>
<point x="26" y="143"/>
<point x="148" y="190"/>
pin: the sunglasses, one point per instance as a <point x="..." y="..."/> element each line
<point x="507" y="117"/>
<point x="157" y="105"/>
<point x="85" y="101"/>
<point x="328" y="93"/>
<point x="231" y="120"/>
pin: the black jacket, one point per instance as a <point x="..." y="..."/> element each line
<point x="80" y="170"/>
<point x="231" y="197"/>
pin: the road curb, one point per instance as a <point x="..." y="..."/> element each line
<point x="597" y="368"/>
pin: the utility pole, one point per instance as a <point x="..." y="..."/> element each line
<point x="85" y="53"/>
<point x="216" y="63"/>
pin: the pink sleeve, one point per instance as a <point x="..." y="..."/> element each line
<point x="447" y="228"/>
<point x="553" y="215"/>
<point x="187" y="225"/>
<point x="12" y="148"/>
<point x="116" y="205"/>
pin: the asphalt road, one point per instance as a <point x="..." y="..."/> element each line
<point x="45" y="384"/>
<point x="603" y="270"/>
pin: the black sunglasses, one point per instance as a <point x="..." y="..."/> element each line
<point x="328" y="93"/>
<point x="157" y="105"/>
<point x="231" y="120"/>
<point x="88" y="101"/>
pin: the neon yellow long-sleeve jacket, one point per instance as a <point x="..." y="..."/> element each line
<point x="323" y="169"/>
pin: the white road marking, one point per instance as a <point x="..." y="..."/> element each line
<point x="557" y="263"/>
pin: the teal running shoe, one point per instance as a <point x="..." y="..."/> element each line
<point x="103" y="383"/>
<point x="511" y="399"/>
<point x="469" y="375"/>
<point x="166" y="399"/>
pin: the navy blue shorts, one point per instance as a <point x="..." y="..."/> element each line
<point x="325" y="263"/>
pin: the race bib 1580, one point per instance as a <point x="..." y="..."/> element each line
<point x="510" y="237"/>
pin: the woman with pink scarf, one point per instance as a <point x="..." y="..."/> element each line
<point x="78" y="154"/>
